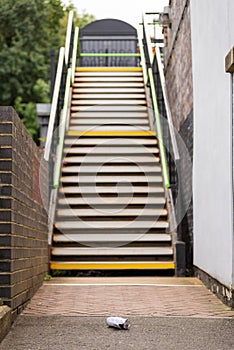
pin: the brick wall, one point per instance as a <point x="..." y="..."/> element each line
<point x="23" y="217"/>
<point x="178" y="73"/>
<point x="178" y="63"/>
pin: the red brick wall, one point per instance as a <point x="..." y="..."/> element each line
<point x="178" y="62"/>
<point x="178" y="72"/>
<point x="23" y="218"/>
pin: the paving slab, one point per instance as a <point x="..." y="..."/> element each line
<point x="126" y="296"/>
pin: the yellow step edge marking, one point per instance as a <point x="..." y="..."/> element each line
<point x="111" y="133"/>
<point x="112" y="266"/>
<point x="108" y="69"/>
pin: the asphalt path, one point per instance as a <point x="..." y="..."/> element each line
<point x="146" y="333"/>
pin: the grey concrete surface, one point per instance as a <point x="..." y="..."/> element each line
<point x="91" y="333"/>
<point x="5" y="320"/>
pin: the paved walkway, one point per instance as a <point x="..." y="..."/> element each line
<point x="165" y="314"/>
<point x="126" y="296"/>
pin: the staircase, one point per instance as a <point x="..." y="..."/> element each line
<point x="111" y="209"/>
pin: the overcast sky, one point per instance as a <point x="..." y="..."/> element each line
<point x="126" y="10"/>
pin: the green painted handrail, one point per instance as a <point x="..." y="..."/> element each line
<point x="62" y="131"/>
<point x="54" y="104"/>
<point x="159" y="130"/>
<point x="89" y="54"/>
<point x="63" y="57"/>
<point x="68" y="36"/>
<point x="148" y="77"/>
<point x="167" y="106"/>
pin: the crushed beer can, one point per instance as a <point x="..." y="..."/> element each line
<point x="118" y="322"/>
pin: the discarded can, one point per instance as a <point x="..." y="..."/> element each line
<point x="118" y="322"/>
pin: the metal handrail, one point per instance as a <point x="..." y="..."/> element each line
<point x="148" y="41"/>
<point x="67" y="57"/>
<point x="62" y="131"/>
<point x="63" y="122"/>
<point x="63" y="57"/>
<point x="68" y="36"/>
<point x="143" y="62"/>
<point x="166" y="103"/>
<point x="54" y="104"/>
<point x="74" y="54"/>
<point x="163" y="86"/>
<point x="149" y="78"/>
<point x="159" y="130"/>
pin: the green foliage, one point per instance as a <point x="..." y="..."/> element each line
<point x="25" y="45"/>
<point x="47" y="277"/>
<point x="41" y="91"/>
<point x="28" y="32"/>
<point x="29" y="113"/>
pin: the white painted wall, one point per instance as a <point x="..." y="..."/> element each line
<point x="212" y="23"/>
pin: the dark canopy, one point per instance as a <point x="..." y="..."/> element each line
<point x="108" y="27"/>
<point x="108" y="36"/>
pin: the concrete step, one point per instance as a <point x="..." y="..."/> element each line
<point x="135" y="224"/>
<point x="122" y="169"/>
<point x="108" y="128"/>
<point x="106" y="179"/>
<point x="112" y="265"/>
<point x="76" y="141"/>
<point x="88" y="159"/>
<point x="113" y="102"/>
<point x="109" y="108"/>
<point x="108" y="74"/>
<point x="108" y="96"/>
<point x="111" y="251"/>
<point x="109" y="115"/>
<point x="109" y="121"/>
<point x="123" y="79"/>
<point x="111" y="202"/>
<point x="112" y="212"/>
<point x="112" y="190"/>
<point x="105" y="85"/>
<point x="112" y="238"/>
<point x="108" y="90"/>
<point x="112" y="149"/>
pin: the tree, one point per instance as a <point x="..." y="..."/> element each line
<point x="25" y="45"/>
<point x="28" y="32"/>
